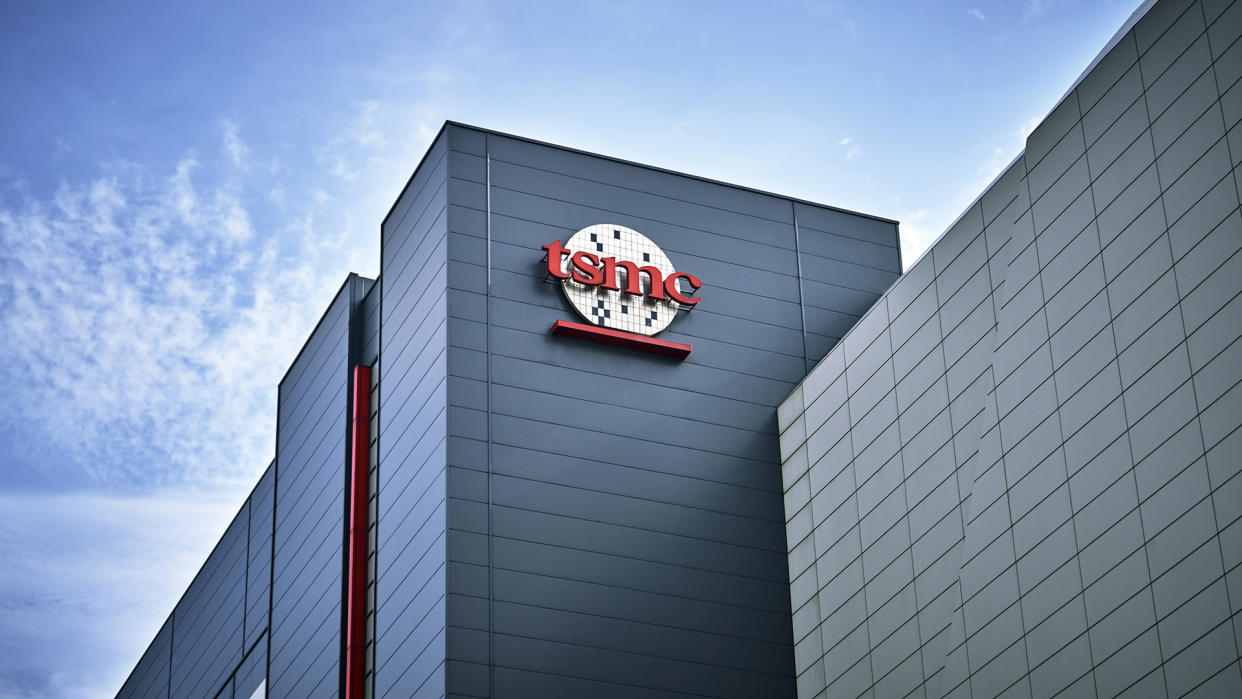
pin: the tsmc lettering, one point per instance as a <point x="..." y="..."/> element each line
<point x="589" y="269"/>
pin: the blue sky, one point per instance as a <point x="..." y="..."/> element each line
<point x="183" y="186"/>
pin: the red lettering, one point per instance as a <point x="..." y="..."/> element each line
<point x="555" y="253"/>
<point x="633" y="278"/>
<point x="586" y="268"/>
<point x="589" y="269"/>
<point x="670" y="285"/>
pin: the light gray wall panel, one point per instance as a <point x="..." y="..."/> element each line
<point x="1084" y="547"/>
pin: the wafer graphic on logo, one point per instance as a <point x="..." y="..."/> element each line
<point x="618" y="279"/>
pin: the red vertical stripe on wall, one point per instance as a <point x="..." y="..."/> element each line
<point x="359" y="495"/>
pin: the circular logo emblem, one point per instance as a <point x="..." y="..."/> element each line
<point x="615" y="308"/>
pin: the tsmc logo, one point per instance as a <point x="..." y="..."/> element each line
<point x="617" y="279"/>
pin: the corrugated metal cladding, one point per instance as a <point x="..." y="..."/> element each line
<point x="1018" y="474"/>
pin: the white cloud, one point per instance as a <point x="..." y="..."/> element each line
<point x="852" y="150"/>
<point x="365" y="132"/>
<point x="977" y="14"/>
<point x="233" y="145"/>
<point x="144" y="312"/>
<point x="148" y="314"/>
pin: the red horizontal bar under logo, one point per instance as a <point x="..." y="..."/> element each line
<point x="617" y="338"/>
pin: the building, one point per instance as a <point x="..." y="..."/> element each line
<point x="1017" y="474"/>
<point x="1010" y="470"/>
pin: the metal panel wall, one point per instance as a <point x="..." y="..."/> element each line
<point x="846" y="261"/>
<point x="309" y="514"/>
<point x="208" y="621"/>
<point x="149" y="678"/>
<point x="614" y="520"/>
<point x="221" y="616"/>
<point x="259" y="570"/>
<point x="1019" y="472"/>
<point x="252" y="673"/>
<point x="633" y="536"/>
<point x="890" y="422"/>
<point x="410" y="529"/>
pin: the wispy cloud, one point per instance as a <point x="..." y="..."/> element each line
<point x="1035" y="8"/>
<point x="977" y="14"/>
<point x="851" y="149"/>
<point x="233" y="145"/>
<point x="145" y="313"/>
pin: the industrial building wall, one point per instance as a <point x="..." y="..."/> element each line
<point x="411" y="553"/>
<point x="211" y="642"/>
<point x="150" y="676"/>
<point x="845" y="262"/>
<point x="208" y="621"/>
<point x="615" y="522"/>
<point x="1018" y="473"/>
<point x="216" y="642"/>
<point x="308" y="537"/>
<point x="259" y="555"/>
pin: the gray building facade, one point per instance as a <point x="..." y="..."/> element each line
<point x="1017" y="475"/>
<point x="547" y="516"/>
<point x="1009" y="471"/>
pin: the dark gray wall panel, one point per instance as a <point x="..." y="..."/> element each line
<point x="410" y="552"/>
<point x="648" y="557"/>
<point x="208" y="621"/>
<point x="640" y="179"/>
<point x="259" y="568"/>
<point x="251" y="673"/>
<point x="309" y="514"/>
<point x="626" y="480"/>
<point x="370" y="311"/>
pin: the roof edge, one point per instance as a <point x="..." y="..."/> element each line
<point x="667" y="171"/>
